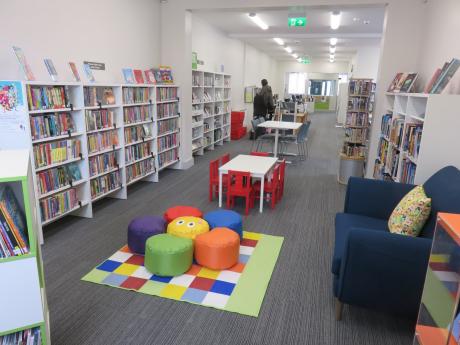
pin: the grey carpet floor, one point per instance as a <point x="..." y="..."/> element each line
<point x="298" y="307"/>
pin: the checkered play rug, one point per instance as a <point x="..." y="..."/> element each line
<point x="239" y="289"/>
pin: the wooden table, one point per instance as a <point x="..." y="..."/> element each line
<point x="257" y="166"/>
<point x="277" y="126"/>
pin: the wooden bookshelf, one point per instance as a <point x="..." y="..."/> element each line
<point x="211" y="102"/>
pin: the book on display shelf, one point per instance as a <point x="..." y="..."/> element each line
<point x="138" y="76"/>
<point x="149" y="76"/>
<point x="31" y="336"/>
<point x="409" y="82"/>
<point x="98" y="95"/>
<point x="51" y="69"/>
<point x="446" y="76"/>
<point x="137" y="114"/>
<point x="166" y="93"/>
<point x="433" y="79"/>
<point x="24" y="64"/>
<point x="59" y="177"/>
<point x="58" y="204"/>
<point x="88" y="73"/>
<point x="136" y="152"/>
<point x="73" y="69"/>
<point x="167" y="110"/>
<point x="99" y="119"/>
<point x="101" y="141"/>
<point x="56" y="152"/>
<point x="50" y="125"/>
<point x="47" y="97"/>
<point x="128" y="75"/>
<point x="163" y="75"/>
<point x="102" y="163"/>
<point x="104" y="184"/>
<point x="133" y="95"/>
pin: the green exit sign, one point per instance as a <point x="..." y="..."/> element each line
<point x="305" y="61"/>
<point x="297" y="21"/>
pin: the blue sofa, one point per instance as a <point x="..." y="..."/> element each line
<point x="374" y="268"/>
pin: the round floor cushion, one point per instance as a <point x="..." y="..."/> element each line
<point x="188" y="227"/>
<point x="217" y="249"/>
<point x="181" y="211"/>
<point x="225" y="219"/>
<point x="167" y="255"/>
<point x="141" y="228"/>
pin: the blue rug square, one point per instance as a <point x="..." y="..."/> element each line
<point x="194" y="295"/>
<point x="224" y="288"/>
<point x="109" y="265"/>
<point x="114" y="279"/>
<point x="161" y="279"/>
<point x="244" y="258"/>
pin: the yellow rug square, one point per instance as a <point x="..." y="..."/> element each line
<point x="126" y="269"/>
<point x="173" y="291"/>
<point x="208" y="273"/>
<point x="252" y="235"/>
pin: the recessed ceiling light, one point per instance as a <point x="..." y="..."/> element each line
<point x="333" y="41"/>
<point x="332" y="56"/>
<point x="299" y="60"/>
<point x="259" y="22"/>
<point x="278" y="40"/>
<point x="288" y="49"/>
<point x="335" y="20"/>
<point x="356" y="19"/>
<point x="331" y="60"/>
<point x="295" y="56"/>
<point x="366" y="22"/>
<point x="332" y="49"/>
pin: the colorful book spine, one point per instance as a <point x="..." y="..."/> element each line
<point x="136" y="152"/>
<point x="168" y="141"/>
<point x="104" y="184"/>
<point x="408" y="171"/>
<point x="133" y="95"/>
<point x="99" y="119"/>
<point x="412" y="138"/>
<point x="102" y="141"/>
<point x="47" y="97"/>
<point x="134" y="133"/>
<point x="139" y="169"/>
<point x="357" y="119"/>
<point x="167" y="110"/>
<point x="56" y="152"/>
<point x="167" y="126"/>
<point x="355" y="135"/>
<point x="102" y="163"/>
<point x="31" y="336"/>
<point x="51" y="125"/>
<point x="56" y="178"/>
<point x="166" y="93"/>
<point x="137" y="114"/>
<point x="168" y="157"/>
<point x="396" y="133"/>
<point x="98" y="95"/>
<point x="58" y="204"/>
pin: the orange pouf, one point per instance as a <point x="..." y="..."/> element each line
<point x="217" y="249"/>
<point x="181" y="211"/>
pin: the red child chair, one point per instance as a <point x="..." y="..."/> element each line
<point x="225" y="158"/>
<point x="260" y="154"/>
<point x="270" y="187"/>
<point x="239" y="184"/>
<point x="281" y="179"/>
<point x="214" y="179"/>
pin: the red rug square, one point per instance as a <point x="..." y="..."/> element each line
<point x="136" y="260"/>
<point x="202" y="283"/>
<point x="133" y="283"/>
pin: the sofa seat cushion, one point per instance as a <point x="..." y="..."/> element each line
<point x="344" y="223"/>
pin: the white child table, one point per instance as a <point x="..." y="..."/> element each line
<point x="277" y="126"/>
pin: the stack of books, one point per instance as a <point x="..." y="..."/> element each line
<point x="47" y="97"/>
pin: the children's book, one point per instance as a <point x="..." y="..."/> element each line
<point x="128" y="75"/>
<point x="157" y="74"/>
<point x="74" y="70"/>
<point x="23" y="62"/>
<point x="433" y="79"/>
<point x="400" y="83"/>
<point x="108" y="96"/>
<point x="88" y="73"/>
<point x="51" y="69"/>
<point x="446" y="76"/>
<point x="166" y="75"/>
<point x="394" y="82"/>
<point x="138" y="76"/>
<point x="409" y="82"/>
<point x="149" y="76"/>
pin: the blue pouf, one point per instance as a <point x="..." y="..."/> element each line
<point x="225" y="219"/>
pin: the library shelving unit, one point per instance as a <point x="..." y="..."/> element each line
<point x="211" y="102"/>
<point x="419" y="135"/>
<point x="22" y="291"/>
<point x="357" y="121"/>
<point x="91" y="141"/>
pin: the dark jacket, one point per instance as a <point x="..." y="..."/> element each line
<point x="267" y="94"/>
<point x="260" y="109"/>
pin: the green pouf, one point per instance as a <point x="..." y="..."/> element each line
<point x="167" y="255"/>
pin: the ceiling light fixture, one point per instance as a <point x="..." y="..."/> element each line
<point x="259" y="22"/>
<point x="279" y="41"/>
<point x="332" y="56"/>
<point x="355" y="19"/>
<point x="366" y="22"/>
<point x="333" y="41"/>
<point x="332" y="49"/>
<point x="299" y="60"/>
<point x="288" y="49"/>
<point x="331" y="60"/>
<point x="295" y="56"/>
<point x="335" y="20"/>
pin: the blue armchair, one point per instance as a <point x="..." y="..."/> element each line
<point x="374" y="268"/>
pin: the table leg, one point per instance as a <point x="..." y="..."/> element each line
<point x="275" y="151"/>
<point x="220" y="189"/>
<point x="261" y="207"/>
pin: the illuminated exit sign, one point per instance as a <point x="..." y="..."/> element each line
<point x="297" y="21"/>
<point x="305" y="61"/>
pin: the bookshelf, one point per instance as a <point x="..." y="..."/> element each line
<point x="91" y="141"/>
<point x="23" y="296"/>
<point x="418" y="136"/>
<point x="211" y="110"/>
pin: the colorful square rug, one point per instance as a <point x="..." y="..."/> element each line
<point x="240" y="289"/>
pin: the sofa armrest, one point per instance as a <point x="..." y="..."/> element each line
<point x="383" y="271"/>
<point x="374" y="198"/>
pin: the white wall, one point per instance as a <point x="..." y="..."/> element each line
<point x="366" y="62"/>
<point x="119" y="33"/>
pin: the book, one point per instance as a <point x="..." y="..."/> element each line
<point x="23" y="62"/>
<point x="166" y="75"/>
<point x="149" y="76"/>
<point x="74" y="70"/>
<point x="409" y="82"/>
<point x="51" y="69"/>
<point x="108" y="96"/>
<point x="395" y="82"/>
<point x="433" y="79"/>
<point x="453" y="86"/>
<point x="88" y="73"/>
<point x="138" y="76"/>
<point x="400" y="83"/>
<point x="157" y="74"/>
<point x="128" y="75"/>
<point x="446" y="76"/>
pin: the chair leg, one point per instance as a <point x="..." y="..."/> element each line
<point x="338" y="310"/>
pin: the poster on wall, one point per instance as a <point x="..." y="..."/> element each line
<point x="249" y="94"/>
<point x="13" y="116"/>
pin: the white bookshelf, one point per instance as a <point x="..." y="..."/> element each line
<point x="211" y="103"/>
<point x="437" y="115"/>
<point x="145" y="166"/>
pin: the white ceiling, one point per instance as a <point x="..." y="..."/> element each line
<point x="312" y="40"/>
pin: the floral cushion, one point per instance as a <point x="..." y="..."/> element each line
<point x="409" y="217"/>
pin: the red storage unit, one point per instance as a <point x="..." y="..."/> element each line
<point x="237" y="130"/>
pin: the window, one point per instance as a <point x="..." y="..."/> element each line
<point x="322" y="88"/>
<point x="297" y="83"/>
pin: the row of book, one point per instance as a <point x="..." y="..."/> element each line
<point x="47" y="97"/>
<point x="360" y="87"/>
<point x="218" y="95"/>
<point x="208" y="111"/>
<point x="396" y="133"/>
<point x="357" y="119"/>
<point x="137" y="133"/>
<point x="355" y="135"/>
<point x="208" y="80"/>
<point x="207" y="97"/>
<point x="132" y="95"/>
<point x="412" y="138"/>
<point x="31" y="336"/>
<point x="99" y="119"/>
<point x="217" y="134"/>
<point x="227" y="82"/>
<point x="196" y="80"/>
<point x="136" y="152"/>
<point x="358" y="104"/>
<point x="56" y="152"/>
<point x="167" y="110"/>
<point x="392" y="162"/>
<point x="196" y="132"/>
<point x="355" y="151"/>
<point x="102" y="163"/>
<point x="446" y="79"/>
<point x="58" y="204"/>
<point x="13" y="230"/>
<point x="167" y="126"/>
<point x="386" y="125"/>
<point x="137" y="114"/>
<point x="59" y="177"/>
<point x="139" y="169"/>
<point x="168" y="157"/>
<point x="51" y="125"/>
<point x="167" y="141"/>
<point x="98" y="95"/>
<point x="166" y="93"/>
<point x="104" y="184"/>
<point x="102" y="141"/>
<point x="161" y="75"/>
<point x="382" y="150"/>
<point x="408" y="171"/>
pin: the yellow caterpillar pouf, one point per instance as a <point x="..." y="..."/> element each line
<point x="188" y="227"/>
